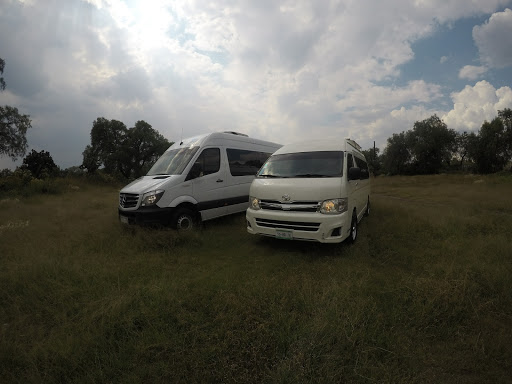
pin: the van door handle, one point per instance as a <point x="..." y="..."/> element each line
<point x="220" y="181"/>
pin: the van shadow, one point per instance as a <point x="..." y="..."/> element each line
<point x="268" y="245"/>
<point x="312" y="250"/>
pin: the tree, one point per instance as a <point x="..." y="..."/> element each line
<point x="143" y="146"/>
<point x="506" y="118"/>
<point x="461" y="148"/>
<point x="13" y="127"/>
<point x="40" y="164"/>
<point x="396" y="157"/>
<point x="91" y="161"/>
<point x="122" y="151"/>
<point x="107" y="137"/>
<point x="430" y="143"/>
<point x="13" y="130"/>
<point x="489" y="148"/>
<point x="2" y="66"/>
<point x="373" y="159"/>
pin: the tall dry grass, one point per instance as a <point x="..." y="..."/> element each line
<point x="423" y="296"/>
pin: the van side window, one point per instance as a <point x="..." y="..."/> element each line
<point x="243" y="162"/>
<point x="208" y="161"/>
<point x="365" y="174"/>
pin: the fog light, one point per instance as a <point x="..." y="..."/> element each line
<point x="336" y="232"/>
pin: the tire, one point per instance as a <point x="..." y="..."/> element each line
<point x="367" y="212"/>
<point x="184" y="220"/>
<point x="353" y="229"/>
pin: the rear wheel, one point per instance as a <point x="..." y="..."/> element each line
<point x="367" y="212"/>
<point x="184" y="220"/>
<point x="353" y="229"/>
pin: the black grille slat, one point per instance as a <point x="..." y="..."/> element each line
<point x="298" y="226"/>
<point x="128" y="200"/>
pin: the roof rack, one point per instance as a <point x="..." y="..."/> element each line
<point x="353" y="143"/>
<point x="236" y="133"/>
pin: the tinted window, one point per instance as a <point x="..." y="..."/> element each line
<point x="350" y="163"/>
<point x="365" y="174"/>
<point x="243" y="163"/>
<point x="208" y="161"/>
<point x="304" y="164"/>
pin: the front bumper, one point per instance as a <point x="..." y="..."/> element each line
<point x="146" y="215"/>
<point x="303" y="226"/>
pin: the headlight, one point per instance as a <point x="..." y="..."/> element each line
<point x="151" y="198"/>
<point x="334" y="206"/>
<point x="254" y="203"/>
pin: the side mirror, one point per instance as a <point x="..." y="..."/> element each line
<point x="354" y="173"/>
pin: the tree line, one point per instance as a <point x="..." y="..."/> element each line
<point x="430" y="147"/>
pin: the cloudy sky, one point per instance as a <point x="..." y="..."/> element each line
<point x="276" y="70"/>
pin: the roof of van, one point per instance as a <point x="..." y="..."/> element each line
<point x="220" y="137"/>
<point x="319" y="145"/>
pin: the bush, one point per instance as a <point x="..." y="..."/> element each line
<point x="22" y="183"/>
<point x="40" y="164"/>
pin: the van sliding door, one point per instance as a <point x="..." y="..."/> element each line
<point x="210" y="183"/>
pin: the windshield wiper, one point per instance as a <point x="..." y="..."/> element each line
<point x="275" y="176"/>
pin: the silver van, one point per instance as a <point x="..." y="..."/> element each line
<point x="199" y="178"/>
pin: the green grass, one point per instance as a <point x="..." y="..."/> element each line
<point x="423" y="296"/>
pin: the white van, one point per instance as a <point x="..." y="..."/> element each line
<point x="200" y="178"/>
<point x="315" y="190"/>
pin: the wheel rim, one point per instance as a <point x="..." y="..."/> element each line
<point x="184" y="223"/>
<point x="354" y="229"/>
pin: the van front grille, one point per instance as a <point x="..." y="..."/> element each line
<point x="298" y="226"/>
<point x="293" y="206"/>
<point x="128" y="200"/>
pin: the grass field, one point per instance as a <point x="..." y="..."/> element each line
<point x="423" y="296"/>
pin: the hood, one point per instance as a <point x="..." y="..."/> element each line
<point x="148" y="183"/>
<point x="298" y="189"/>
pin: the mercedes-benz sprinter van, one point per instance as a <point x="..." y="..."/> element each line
<point x="315" y="190"/>
<point x="199" y="178"/>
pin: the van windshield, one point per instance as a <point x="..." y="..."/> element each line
<point x="304" y="164"/>
<point x="173" y="162"/>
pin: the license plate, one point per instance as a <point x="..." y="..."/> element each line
<point x="124" y="219"/>
<point x="284" y="234"/>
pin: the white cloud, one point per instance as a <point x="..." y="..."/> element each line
<point x="443" y="59"/>
<point x="494" y="41"/>
<point x="396" y="121"/>
<point x="472" y="72"/>
<point x="447" y="11"/>
<point x="474" y="105"/>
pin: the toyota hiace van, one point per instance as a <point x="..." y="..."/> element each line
<point x="315" y="190"/>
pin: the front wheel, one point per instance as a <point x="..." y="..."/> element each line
<point x="184" y="220"/>
<point x="367" y="212"/>
<point x="353" y="229"/>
